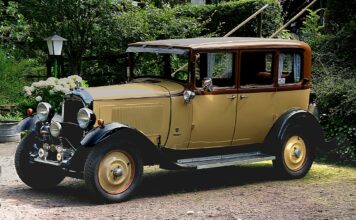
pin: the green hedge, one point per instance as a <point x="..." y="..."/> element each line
<point x="337" y="102"/>
<point x="220" y="19"/>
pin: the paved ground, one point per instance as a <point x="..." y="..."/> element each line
<point x="245" y="192"/>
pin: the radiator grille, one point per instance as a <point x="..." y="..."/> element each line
<point x="71" y="107"/>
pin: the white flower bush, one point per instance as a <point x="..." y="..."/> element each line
<point x="52" y="90"/>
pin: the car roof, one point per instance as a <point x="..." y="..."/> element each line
<point x="223" y="43"/>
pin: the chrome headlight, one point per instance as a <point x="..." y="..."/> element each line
<point x="44" y="111"/>
<point x="55" y="128"/>
<point x="85" y="118"/>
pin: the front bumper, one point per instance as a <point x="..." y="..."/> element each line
<point x="65" y="151"/>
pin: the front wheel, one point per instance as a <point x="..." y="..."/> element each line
<point x="295" y="156"/>
<point x="37" y="176"/>
<point x="112" y="174"/>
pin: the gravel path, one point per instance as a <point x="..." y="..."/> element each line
<point x="245" y="192"/>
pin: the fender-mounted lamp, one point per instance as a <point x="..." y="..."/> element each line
<point x="29" y="112"/>
<point x="100" y="122"/>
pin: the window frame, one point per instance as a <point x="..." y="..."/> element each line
<point x="295" y="85"/>
<point x="217" y="89"/>
<point x="258" y="88"/>
<point x="275" y="86"/>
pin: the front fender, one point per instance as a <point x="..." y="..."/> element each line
<point x="98" y="134"/>
<point x="27" y="124"/>
<point x="116" y="135"/>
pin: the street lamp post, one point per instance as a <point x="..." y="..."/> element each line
<point x="55" y="45"/>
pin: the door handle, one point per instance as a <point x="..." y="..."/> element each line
<point x="232" y="97"/>
<point x="243" y="96"/>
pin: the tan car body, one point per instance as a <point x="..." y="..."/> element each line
<point x="211" y="119"/>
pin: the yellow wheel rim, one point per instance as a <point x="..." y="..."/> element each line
<point x="295" y="153"/>
<point x="116" y="171"/>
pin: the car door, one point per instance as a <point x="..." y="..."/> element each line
<point x="214" y="112"/>
<point x="256" y="94"/>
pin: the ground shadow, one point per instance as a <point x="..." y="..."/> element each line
<point x="73" y="192"/>
<point x="170" y="182"/>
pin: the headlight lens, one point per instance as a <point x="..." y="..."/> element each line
<point x="55" y="128"/>
<point x="85" y="118"/>
<point x="43" y="111"/>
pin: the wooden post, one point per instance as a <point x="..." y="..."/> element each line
<point x="259" y="30"/>
<point x="245" y="21"/>
<point x="293" y="19"/>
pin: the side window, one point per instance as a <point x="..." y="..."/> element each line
<point x="256" y="69"/>
<point x="218" y="67"/>
<point x="289" y="68"/>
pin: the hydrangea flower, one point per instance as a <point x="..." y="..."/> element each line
<point x="49" y="90"/>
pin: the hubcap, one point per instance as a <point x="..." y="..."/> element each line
<point x="116" y="171"/>
<point x="295" y="153"/>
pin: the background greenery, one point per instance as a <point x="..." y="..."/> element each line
<point x="98" y="32"/>
<point x="334" y="72"/>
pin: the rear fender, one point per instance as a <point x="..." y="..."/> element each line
<point x="303" y="120"/>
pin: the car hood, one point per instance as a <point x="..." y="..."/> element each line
<point x="139" y="88"/>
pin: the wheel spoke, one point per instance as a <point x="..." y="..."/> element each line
<point x="116" y="171"/>
<point x="295" y="153"/>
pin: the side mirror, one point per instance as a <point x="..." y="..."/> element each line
<point x="188" y="95"/>
<point x="208" y="85"/>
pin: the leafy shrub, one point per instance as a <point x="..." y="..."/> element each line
<point x="13" y="77"/>
<point x="52" y="91"/>
<point x="14" y="116"/>
<point x="220" y="19"/>
<point x="154" y="24"/>
<point x="337" y="101"/>
<point x="334" y="80"/>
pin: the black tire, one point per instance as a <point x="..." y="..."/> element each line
<point x="92" y="171"/>
<point x="289" y="166"/>
<point x="35" y="175"/>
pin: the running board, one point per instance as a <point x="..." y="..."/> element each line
<point x="223" y="160"/>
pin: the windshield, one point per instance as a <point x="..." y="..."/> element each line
<point x="161" y="65"/>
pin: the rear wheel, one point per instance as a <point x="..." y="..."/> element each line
<point x="295" y="156"/>
<point x="35" y="175"/>
<point x="112" y="174"/>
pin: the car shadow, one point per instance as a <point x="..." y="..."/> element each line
<point x="72" y="192"/>
<point x="185" y="181"/>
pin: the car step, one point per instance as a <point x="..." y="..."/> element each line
<point x="223" y="160"/>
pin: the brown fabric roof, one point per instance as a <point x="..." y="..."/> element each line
<point x="221" y="43"/>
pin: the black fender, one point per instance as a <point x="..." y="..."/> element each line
<point x="98" y="134"/>
<point x="302" y="119"/>
<point x="116" y="134"/>
<point x="27" y="124"/>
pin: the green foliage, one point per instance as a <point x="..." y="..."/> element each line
<point x="12" y="75"/>
<point x="221" y="18"/>
<point x="311" y="29"/>
<point x="340" y="13"/>
<point x="84" y="23"/>
<point x="337" y="100"/>
<point x="153" y="23"/>
<point x="13" y="26"/>
<point x="334" y="73"/>
<point x="15" y="116"/>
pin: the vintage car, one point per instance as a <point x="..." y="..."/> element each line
<point x="188" y="104"/>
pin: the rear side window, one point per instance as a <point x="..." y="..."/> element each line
<point x="289" y="68"/>
<point x="256" y="69"/>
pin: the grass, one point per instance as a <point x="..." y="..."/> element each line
<point x="321" y="171"/>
